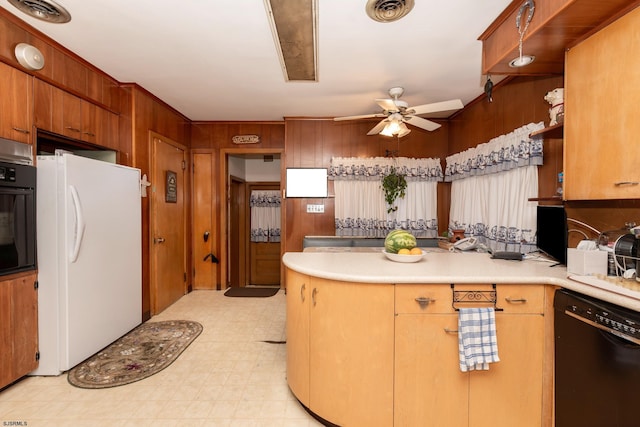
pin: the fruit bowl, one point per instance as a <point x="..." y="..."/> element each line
<point x="404" y="258"/>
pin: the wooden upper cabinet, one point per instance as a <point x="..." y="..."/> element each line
<point x="16" y="112"/>
<point x="555" y="26"/>
<point x="601" y="121"/>
<point x="65" y="114"/>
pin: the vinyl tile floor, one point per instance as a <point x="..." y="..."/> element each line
<point x="229" y="376"/>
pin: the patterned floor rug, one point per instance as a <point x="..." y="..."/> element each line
<point x="146" y="350"/>
<point x="251" y="291"/>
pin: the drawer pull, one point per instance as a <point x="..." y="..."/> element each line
<point x="516" y="300"/>
<point x="302" y="288"/>
<point x="73" y="129"/>
<point x="450" y="331"/>
<point x="621" y="183"/>
<point x="424" y="301"/>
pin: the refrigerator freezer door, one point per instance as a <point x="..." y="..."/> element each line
<point x="89" y="258"/>
<point x="102" y="299"/>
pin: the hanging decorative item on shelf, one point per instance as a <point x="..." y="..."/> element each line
<point x="246" y="139"/>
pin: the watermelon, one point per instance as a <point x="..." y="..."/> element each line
<point x="399" y="239"/>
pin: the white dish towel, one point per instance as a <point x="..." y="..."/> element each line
<point x="477" y="341"/>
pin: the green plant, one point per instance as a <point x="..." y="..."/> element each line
<point x="394" y="186"/>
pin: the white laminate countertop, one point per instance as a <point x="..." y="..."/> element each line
<point x="447" y="267"/>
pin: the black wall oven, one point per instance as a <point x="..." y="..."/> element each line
<point x="17" y="218"/>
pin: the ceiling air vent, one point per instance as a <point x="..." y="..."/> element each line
<point x="48" y="11"/>
<point x="388" y="10"/>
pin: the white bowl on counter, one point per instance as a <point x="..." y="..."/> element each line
<point x="404" y="258"/>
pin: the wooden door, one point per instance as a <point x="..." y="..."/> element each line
<point x="237" y="233"/>
<point x="204" y="236"/>
<point x="168" y="226"/>
<point x="351" y="352"/>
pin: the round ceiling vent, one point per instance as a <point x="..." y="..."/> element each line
<point x="48" y="11"/>
<point x="388" y="10"/>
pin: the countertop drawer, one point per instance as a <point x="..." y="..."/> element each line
<point x="432" y="299"/>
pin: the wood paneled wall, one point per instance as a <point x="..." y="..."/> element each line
<point x="143" y="113"/>
<point x="516" y="102"/>
<point x="216" y="137"/>
<point x="313" y="142"/>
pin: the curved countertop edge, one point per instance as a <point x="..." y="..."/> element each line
<point x="444" y="267"/>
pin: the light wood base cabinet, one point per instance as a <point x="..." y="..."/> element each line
<point x="347" y="378"/>
<point x="354" y="361"/>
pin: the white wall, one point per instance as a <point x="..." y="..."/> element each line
<point x="259" y="171"/>
<point x="254" y="170"/>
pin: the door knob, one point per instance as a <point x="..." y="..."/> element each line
<point x="158" y="240"/>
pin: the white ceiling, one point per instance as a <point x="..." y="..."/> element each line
<point x="215" y="60"/>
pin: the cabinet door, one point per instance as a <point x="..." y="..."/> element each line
<point x="18" y="328"/>
<point x="601" y="122"/>
<point x="298" y="292"/>
<point x="24" y="313"/>
<point x="430" y="389"/>
<point x="510" y="392"/>
<point x="92" y="122"/>
<point x="16" y="113"/>
<point x="351" y="352"/>
<point x="6" y="336"/>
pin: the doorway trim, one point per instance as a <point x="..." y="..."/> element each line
<point x="223" y="190"/>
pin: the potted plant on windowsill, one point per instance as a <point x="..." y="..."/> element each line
<point x="394" y="185"/>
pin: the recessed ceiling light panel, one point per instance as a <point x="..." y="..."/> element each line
<point x="48" y="10"/>
<point x="388" y="10"/>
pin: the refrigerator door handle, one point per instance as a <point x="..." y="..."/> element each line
<point x="80" y="225"/>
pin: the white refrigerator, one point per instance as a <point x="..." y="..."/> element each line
<point x="89" y="249"/>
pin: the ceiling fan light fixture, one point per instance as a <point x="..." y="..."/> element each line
<point x="388" y="130"/>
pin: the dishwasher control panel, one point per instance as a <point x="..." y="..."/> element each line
<point x="608" y="317"/>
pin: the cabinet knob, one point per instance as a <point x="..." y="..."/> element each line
<point x="313" y="295"/>
<point x="302" y="288"/>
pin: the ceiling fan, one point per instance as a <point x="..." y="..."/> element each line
<point x="396" y="113"/>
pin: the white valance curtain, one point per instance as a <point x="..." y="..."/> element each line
<point x="491" y="187"/>
<point x="265" y="215"/>
<point x="360" y="207"/>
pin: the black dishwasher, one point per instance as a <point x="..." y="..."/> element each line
<point x="597" y="363"/>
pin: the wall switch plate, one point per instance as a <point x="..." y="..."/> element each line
<point x="315" y="208"/>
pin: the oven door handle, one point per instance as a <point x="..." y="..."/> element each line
<point x="80" y="225"/>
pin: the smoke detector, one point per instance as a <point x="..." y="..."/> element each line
<point x="48" y="10"/>
<point x="388" y="10"/>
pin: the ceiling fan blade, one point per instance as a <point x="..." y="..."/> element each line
<point x="364" y="116"/>
<point x="387" y="104"/>
<point x="377" y="128"/>
<point x="421" y="123"/>
<point x="451" y="105"/>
